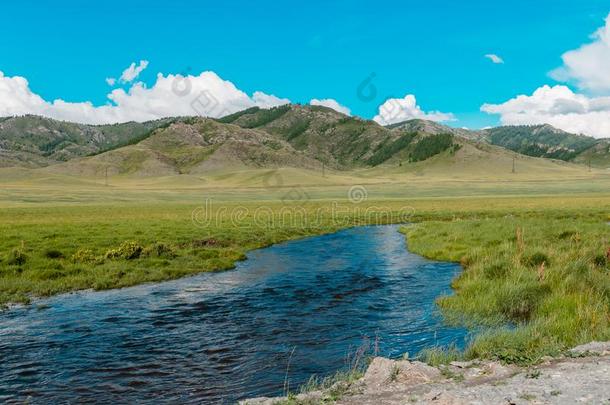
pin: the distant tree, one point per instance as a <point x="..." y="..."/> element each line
<point x="430" y="146"/>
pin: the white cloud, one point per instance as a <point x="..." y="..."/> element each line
<point x="171" y="95"/>
<point x="111" y="81"/>
<point x="16" y="97"/>
<point x="331" y="103"/>
<point x="558" y="106"/>
<point x="263" y="100"/>
<point x="494" y="58"/>
<point x="133" y="71"/>
<point x="588" y="66"/>
<point x="396" y="110"/>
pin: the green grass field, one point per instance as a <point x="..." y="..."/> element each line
<point x="537" y="282"/>
<point x="533" y="244"/>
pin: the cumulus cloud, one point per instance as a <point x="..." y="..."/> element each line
<point x="16" y="97"/>
<point x="111" y="81"/>
<point x="263" y="100"/>
<point x="494" y="58"/>
<point x="331" y="103"/>
<point x="396" y="110"/>
<point x="133" y="71"/>
<point x="588" y="66"/>
<point x="171" y="95"/>
<point x="558" y="106"/>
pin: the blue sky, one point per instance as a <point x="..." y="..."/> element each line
<point x="303" y="50"/>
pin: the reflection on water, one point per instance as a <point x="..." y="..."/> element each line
<point x="219" y="337"/>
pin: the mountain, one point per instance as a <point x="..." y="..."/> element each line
<point x="193" y="146"/>
<point x="540" y="141"/>
<point x="549" y="142"/>
<point x="597" y="155"/>
<point x="297" y="136"/>
<point x="341" y="141"/>
<point x="319" y="134"/>
<point x="433" y="128"/>
<point x="307" y="137"/>
<point x="543" y="140"/>
<point x="33" y="141"/>
<point x="322" y="133"/>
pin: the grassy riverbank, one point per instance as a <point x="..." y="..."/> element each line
<point x="535" y="262"/>
<point x="49" y="249"/>
<point x="546" y="273"/>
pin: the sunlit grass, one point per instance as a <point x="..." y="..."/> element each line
<point x="536" y="277"/>
<point x="537" y="282"/>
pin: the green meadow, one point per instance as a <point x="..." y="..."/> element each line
<point x="534" y="246"/>
<point x="534" y="283"/>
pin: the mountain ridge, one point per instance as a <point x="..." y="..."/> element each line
<point x="292" y="135"/>
<point x="541" y="140"/>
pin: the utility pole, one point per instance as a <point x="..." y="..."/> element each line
<point x="589" y="164"/>
<point x="513" y="164"/>
<point x="323" y="170"/>
<point x="106" y="177"/>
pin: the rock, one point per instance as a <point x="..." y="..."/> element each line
<point x="416" y="372"/>
<point x="259" y="401"/>
<point x="480" y="370"/>
<point x="564" y="380"/>
<point x="382" y="372"/>
<point x="497" y="370"/>
<point x="596" y="348"/>
<point x="463" y="364"/>
<point x="379" y="372"/>
<point x="313" y="397"/>
<point x="442" y="398"/>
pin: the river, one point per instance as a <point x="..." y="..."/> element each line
<point x="219" y="337"/>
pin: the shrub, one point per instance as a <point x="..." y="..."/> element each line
<point x="128" y="250"/>
<point x="600" y="261"/>
<point x="518" y="303"/>
<point x="232" y="117"/>
<point x="48" y="274"/>
<point x="438" y="355"/>
<point x="275" y="145"/>
<point x="159" y="249"/>
<point x="83" y="256"/>
<point x="53" y="254"/>
<point x="465" y="261"/>
<point x="496" y="270"/>
<point x="386" y="151"/>
<point x="296" y="130"/>
<point x="56" y="266"/>
<point x="566" y="234"/>
<point x="535" y="259"/>
<point x="262" y="116"/>
<point x="16" y="257"/>
<point x="505" y="346"/>
<point x="430" y="146"/>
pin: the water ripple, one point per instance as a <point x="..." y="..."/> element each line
<point x="218" y="337"/>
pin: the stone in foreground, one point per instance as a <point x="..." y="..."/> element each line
<point x="582" y="377"/>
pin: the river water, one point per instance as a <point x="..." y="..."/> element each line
<point x="219" y="337"/>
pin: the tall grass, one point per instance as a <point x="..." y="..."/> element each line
<point x="50" y="250"/>
<point x="536" y="278"/>
<point x="534" y="282"/>
<point x="336" y="385"/>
